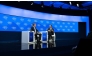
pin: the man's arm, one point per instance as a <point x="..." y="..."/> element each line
<point x="48" y="29"/>
<point x="52" y="29"/>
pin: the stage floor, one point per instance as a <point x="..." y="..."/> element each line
<point x="59" y="47"/>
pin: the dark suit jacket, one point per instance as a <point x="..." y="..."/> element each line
<point x="51" y="33"/>
<point x="32" y="29"/>
<point x="52" y="29"/>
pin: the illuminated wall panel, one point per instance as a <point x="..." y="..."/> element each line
<point x="22" y="17"/>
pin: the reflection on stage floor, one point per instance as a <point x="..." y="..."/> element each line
<point x="59" y="47"/>
<point x="30" y="46"/>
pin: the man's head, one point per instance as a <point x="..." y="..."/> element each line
<point x="34" y="24"/>
<point x="50" y="26"/>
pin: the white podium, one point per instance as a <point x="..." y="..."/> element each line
<point x="44" y="36"/>
<point x="26" y="46"/>
<point x="27" y="37"/>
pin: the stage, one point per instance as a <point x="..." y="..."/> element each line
<point x="16" y="35"/>
<point x="59" y="47"/>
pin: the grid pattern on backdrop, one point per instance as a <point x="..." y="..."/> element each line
<point x="16" y="23"/>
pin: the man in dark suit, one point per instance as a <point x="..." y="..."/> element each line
<point x="50" y="32"/>
<point x="33" y="28"/>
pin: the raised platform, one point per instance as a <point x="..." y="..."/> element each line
<point x="60" y="47"/>
<point x="10" y="44"/>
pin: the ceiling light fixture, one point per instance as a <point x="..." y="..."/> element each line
<point x="32" y="3"/>
<point x="42" y="6"/>
<point x="78" y="5"/>
<point x="70" y="3"/>
<point x="18" y="1"/>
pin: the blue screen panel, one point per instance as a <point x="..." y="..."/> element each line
<point x="44" y="45"/>
<point x="31" y="37"/>
<point x="15" y="23"/>
<point x="48" y="3"/>
<point x="30" y="47"/>
<point x="22" y="20"/>
<point x="44" y="36"/>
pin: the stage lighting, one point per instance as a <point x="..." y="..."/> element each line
<point x="18" y="1"/>
<point x="70" y="3"/>
<point x="42" y="6"/>
<point x="32" y="3"/>
<point x="77" y="5"/>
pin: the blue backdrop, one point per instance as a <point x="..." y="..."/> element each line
<point x="16" y="23"/>
<point x="15" y="19"/>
